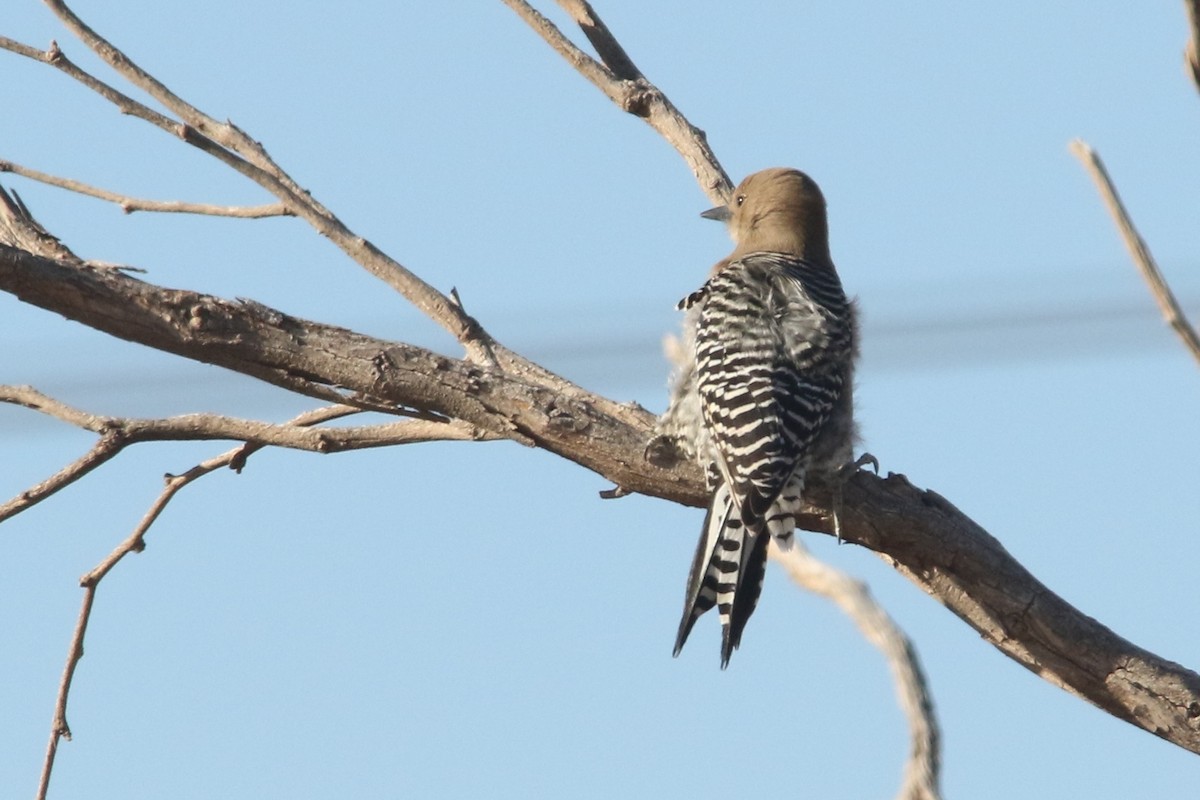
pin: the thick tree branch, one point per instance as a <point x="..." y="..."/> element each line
<point x="918" y="532"/>
<point x="1171" y="310"/>
<point x="322" y="360"/>
<point x="936" y="546"/>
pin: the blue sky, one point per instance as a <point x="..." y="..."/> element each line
<point x="462" y="620"/>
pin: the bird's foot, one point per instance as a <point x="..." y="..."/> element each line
<point x="844" y="473"/>
<point x="851" y="467"/>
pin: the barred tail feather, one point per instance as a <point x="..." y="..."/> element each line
<point x="746" y="593"/>
<point x="781" y="519"/>
<point x="727" y="572"/>
<point x="703" y="578"/>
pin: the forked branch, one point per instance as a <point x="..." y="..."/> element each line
<point x="135" y="543"/>
<point x="229" y="145"/>
<point x="623" y="83"/>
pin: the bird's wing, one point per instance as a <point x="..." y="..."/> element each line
<point x="763" y="354"/>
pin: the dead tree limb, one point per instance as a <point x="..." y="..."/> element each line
<point x="921" y="534"/>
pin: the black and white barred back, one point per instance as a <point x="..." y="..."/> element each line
<point x="775" y="340"/>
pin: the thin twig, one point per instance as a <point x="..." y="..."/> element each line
<point x="226" y="134"/>
<point x="104" y="450"/>
<point x="130" y="204"/>
<point x="922" y="769"/>
<point x="135" y="542"/>
<point x="90" y="582"/>
<point x="1191" y="53"/>
<point x="117" y="433"/>
<point x="58" y="727"/>
<point x="1167" y="304"/>
<point x="56" y="58"/>
<point x="205" y="427"/>
<point x="484" y="350"/>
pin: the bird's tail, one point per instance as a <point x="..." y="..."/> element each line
<point x="727" y="571"/>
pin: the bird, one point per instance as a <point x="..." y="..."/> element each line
<point x="765" y="400"/>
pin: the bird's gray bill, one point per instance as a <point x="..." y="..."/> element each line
<point x="720" y="214"/>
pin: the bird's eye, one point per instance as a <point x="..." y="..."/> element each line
<point x="741" y="198"/>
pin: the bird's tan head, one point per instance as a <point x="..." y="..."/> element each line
<point x="777" y="210"/>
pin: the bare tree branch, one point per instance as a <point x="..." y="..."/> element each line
<point x="607" y="47"/>
<point x="226" y="135"/>
<point x="117" y="433"/>
<point x="1191" y="53"/>
<point x="1167" y="304"/>
<point x="923" y="767"/>
<point x="224" y="140"/>
<point x="322" y="360"/>
<point x="105" y="448"/>
<point x="130" y="204"/>
<point x="208" y="427"/>
<point x="918" y="532"/>
<point x="237" y="151"/>
<point x="624" y="84"/>
<point x="135" y="543"/>
<point x="55" y="57"/>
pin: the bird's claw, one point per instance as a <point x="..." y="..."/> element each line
<point x="851" y="467"/>
<point x="845" y="472"/>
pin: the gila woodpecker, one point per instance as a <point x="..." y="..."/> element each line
<point x="767" y="400"/>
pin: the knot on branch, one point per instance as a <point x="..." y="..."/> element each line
<point x="112" y="432"/>
<point x="567" y="415"/>
<point x="664" y="452"/>
<point x="197" y="318"/>
<point x="638" y="97"/>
